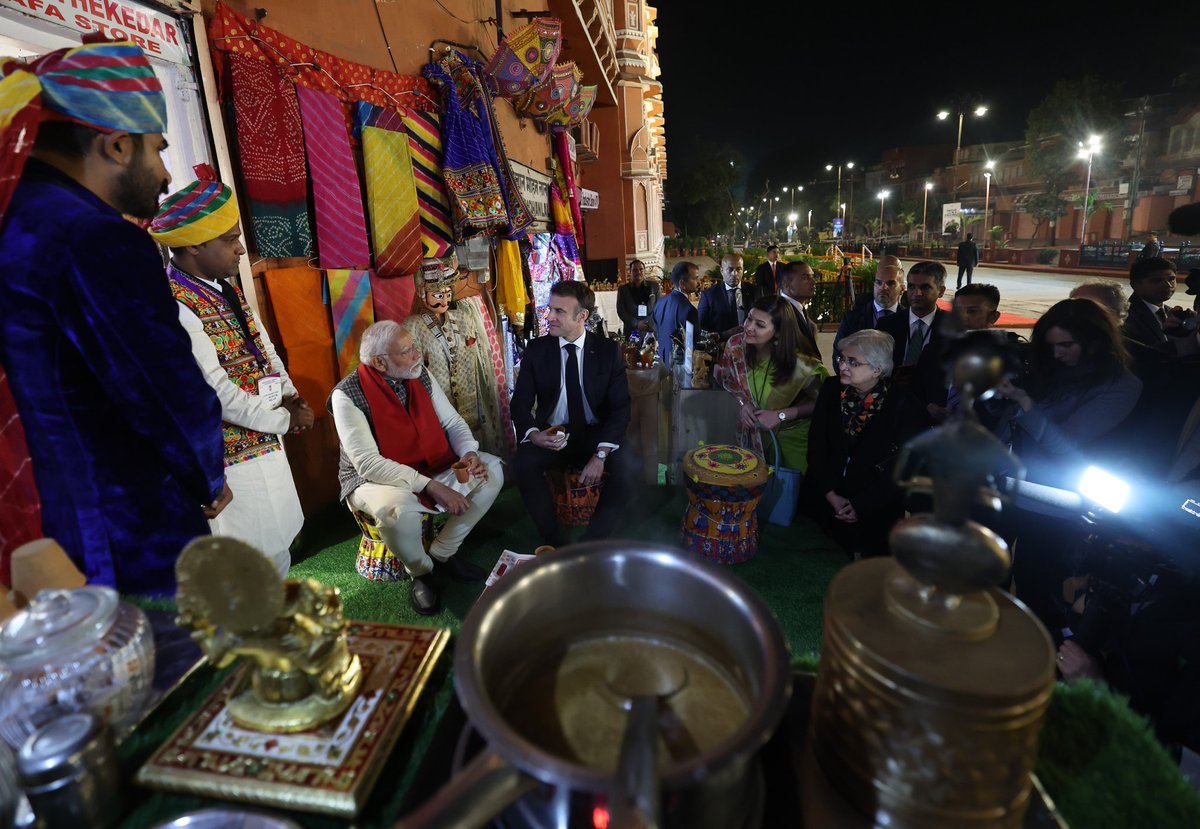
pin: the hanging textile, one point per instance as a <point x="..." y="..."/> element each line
<point x="497" y="411"/>
<point x="20" y="509"/>
<point x="392" y="297"/>
<point x="511" y="295"/>
<point x="525" y="57"/>
<point x="562" y="150"/>
<point x="337" y="197"/>
<point x="475" y="163"/>
<point x="425" y="147"/>
<point x="391" y="194"/>
<point x="560" y="210"/>
<point x="305" y="331"/>
<point x="271" y="153"/>
<point x="350" y="307"/>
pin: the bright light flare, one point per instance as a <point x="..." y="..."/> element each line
<point x="1104" y="488"/>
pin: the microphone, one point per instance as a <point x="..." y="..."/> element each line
<point x="1185" y="220"/>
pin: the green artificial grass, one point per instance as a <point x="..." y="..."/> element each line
<point x="791" y="572"/>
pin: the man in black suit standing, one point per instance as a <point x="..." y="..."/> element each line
<point x="918" y="337"/>
<point x="768" y="273"/>
<point x="798" y="285"/>
<point x="635" y="301"/>
<point x="968" y="258"/>
<point x="884" y="300"/>
<point x="574" y="379"/>
<point x="1152" y="281"/>
<point x="724" y="306"/>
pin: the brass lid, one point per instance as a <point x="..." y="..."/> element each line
<point x="1012" y="663"/>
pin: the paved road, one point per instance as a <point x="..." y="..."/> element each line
<point x="1025" y="293"/>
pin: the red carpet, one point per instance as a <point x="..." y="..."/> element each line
<point x="1005" y="321"/>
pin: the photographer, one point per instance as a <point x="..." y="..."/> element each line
<point x="1079" y="389"/>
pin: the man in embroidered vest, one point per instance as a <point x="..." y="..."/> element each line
<point x="399" y="437"/>
<point x="200" y="224"/>
<point x="124" y="434"/>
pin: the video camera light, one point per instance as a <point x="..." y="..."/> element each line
<point x="1103" y="488"/>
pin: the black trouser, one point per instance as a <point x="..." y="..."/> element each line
<point x="968" y="270"/>
<point x="532" y="464"/>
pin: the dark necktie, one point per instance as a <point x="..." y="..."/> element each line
<point x="886" y="312"/>
<point x="235" y="304"/>
<point x="915" y="344"/>
<point x="576" y="419"/>
<point x="1162" y="317"/>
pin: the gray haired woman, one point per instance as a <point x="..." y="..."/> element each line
<point x="860" y="422"/>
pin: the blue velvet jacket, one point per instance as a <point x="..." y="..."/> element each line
<point x="123" y="431"/>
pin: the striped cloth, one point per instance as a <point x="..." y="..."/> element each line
<point x="425" y="146"/>
<point x="393" y="297"/>
<point x="350" y="304"/>
<point x="391" y="193"/>
<point x="341" y="226"/>
<point x="271" y="152"/>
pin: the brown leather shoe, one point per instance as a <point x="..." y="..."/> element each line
<point x="422" y="595"/>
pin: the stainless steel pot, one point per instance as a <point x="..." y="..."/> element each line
<point x="606" y="591"/>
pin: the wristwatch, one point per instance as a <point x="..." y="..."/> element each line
<point x="783" y="414"/>
<point x="602" y="454"/>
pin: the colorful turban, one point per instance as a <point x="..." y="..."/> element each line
<point x="198" y="213"/>
<point x="106" y="85"/>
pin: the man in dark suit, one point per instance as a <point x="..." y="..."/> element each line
<point x="724" y="306"/>
<point x="768" y="273"/>
<point x="1152" y="281"/>
<point x="968" y="258"/>
<point x="574" y="379"/>
<point x="635" y="301"/>
<point x="675" y="310"/>
<point x="919" y="341"/>
<point x="798" y="285"/>
<point x="884" y="300"/>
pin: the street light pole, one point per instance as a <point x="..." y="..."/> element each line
<point x="987" y="192"/>
<point x="925" y="212"/>
<point x="883" y="194"/>
<point x="980" y="111"/>
<point x="1093" y="146"/>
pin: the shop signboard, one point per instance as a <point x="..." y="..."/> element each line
<point x="951" y="215"/>
<point x="837" y="227"/>
<point x="535" y="189"/>
<point x="588" y="199"/>
<point x="157" y="33"/>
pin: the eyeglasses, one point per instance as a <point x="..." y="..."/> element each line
<point x="849" y="362"/>
<point x="403" y="352"/>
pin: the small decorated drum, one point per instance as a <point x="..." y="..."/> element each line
<point x="724" y="485"/>
<point x="574" y="502"/>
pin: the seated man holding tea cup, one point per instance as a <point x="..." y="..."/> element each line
<point x="400" y="441"/>
<point x="571" y="409"/>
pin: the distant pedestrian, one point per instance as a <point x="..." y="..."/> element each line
<point x="968" y="258"/>
<point x="1151" y="249"/>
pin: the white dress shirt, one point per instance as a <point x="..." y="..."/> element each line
<point x="912" y="325"/>
<point x="237" y="407"/>
<point x="1154" y="309"/>
<point x="354" y="432"/>
<point x="560" y="413"/>
<point x="879" y="309"/>
<point x="800" y="309"/>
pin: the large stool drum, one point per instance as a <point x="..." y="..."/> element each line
<point x="724" y="485"/>
<point x="375" y="562"/>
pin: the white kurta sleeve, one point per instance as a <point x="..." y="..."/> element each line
<point x="289" y="388"/>
<point x="458" y="433"/>
<point x="354" y="432"/>
<point x="237" y="407"/>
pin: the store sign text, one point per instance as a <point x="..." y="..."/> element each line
<point x="157" y="34"/>
<point x="535" y="188"/>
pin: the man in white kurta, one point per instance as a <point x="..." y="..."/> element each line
<point x="399" y="436"/>
<point x="258" y="400"/>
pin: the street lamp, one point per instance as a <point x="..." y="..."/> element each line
<point x="925" y="212"/>
<point x="809" y="221"/>
<point x="1093" y="147"/>
<point x="979" y="111"/>
<point x="987" y="193"/>
<point x="883" y="194"/>
<point x="829" y="168"/>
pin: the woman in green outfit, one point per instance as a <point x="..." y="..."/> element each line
<point x="774" y="380"/>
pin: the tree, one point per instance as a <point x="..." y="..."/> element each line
<point x="1073" y="112"/>
<point x="906" y="218"/>
<point x="701" y="195"/>
<point x="1043" y="207"/>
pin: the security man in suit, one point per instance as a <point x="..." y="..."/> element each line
<point x="724" y="306"/>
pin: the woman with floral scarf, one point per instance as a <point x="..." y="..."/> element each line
<point x="776" y="384"/>
<point x="858" y="426"/>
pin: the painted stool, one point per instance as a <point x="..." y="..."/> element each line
<point x="375" y="561"/>
<point x="724" y="485"/>
<point x="574" y="503"/>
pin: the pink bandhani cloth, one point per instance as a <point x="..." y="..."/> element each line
<point x="341" y="223"/>
<point x="562" y="149"/>
<point x="350" y="307"/>
<point x="496" y="355"/>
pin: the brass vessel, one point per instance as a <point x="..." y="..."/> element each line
<point x="933" y="684"/>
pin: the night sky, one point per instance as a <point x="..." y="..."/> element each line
<point x="838" y="85"/>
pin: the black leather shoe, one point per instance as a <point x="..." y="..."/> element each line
<point x="422" y="596"/>
<point x="460" y="569"/>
